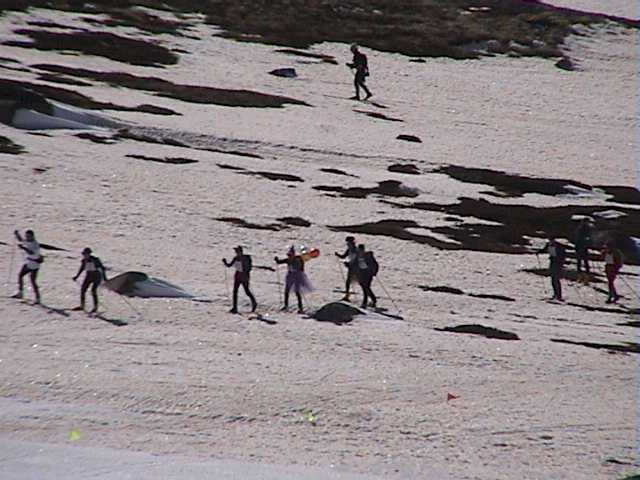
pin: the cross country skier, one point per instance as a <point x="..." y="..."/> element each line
<point x="557" y="256"/>
<point x="94" y="276"/>
<point x="361" y="66"/>
<point x="296" y="279"/>
<point x="612" y="265"/>
<point x="367" y="269"/>
<point x="351" y="255"/>
<point x="31" y="264"/>
<point x="242" y="264"/>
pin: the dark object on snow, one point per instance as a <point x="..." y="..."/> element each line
<point x="476" y="329"/>
<point x="284" y="72"/>
<point x="409" y="138"/>
<point x="565" y="63"/>
<point x="337" y="312"/>
<point x="138" y="284"/>
<point x="408" y="168"/>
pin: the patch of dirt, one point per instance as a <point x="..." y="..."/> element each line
<point x="7" y="146"/>
<point x="408" y="168"/>
<point x="429" y="28"/>
<point x="336" y="171"/>
<point x="409" y="138"/>
<point x="476" y="329"/>
<point x="511" y="185"/>
<point x="627" y="347"/>
<point x="102" y="44"/>
<point x="166" y="160"/>
<point x="386" y="188"/>
<point x="377" y="115"/>
<point x="96" y="138"/>
<point x="517" y="224"/>
<point x="457" y="291"/>
<point x="53" y="78"/>
<point x="295" y="221"/>
<point x="274" y="227"/>
<point x="277" y="177"/>
<point x="229" y="167"/>
<point x="185" y="93"/>
<point x="128" y="135"/>
<point x="300" y="53"/>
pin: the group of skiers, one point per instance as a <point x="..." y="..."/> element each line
<point x="611" y="255"/>
<point x="361" y="267"/>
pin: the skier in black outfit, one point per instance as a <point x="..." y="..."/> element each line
<point x="360" y="63"/>
<point x="242" y="264"/>
<point x="94" y="276"/>
<point x="557" y="256"/>
<point x="582" y="244"/>
<point x="367" y="269"/>
<point x="350" y="255"/>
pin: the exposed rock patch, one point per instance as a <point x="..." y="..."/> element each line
<point x="274" y="227"/>
<point x="409" y="138"/>
<point x="475" y="329"/>
<point x="295" y="221"/>
<point x="336" y="312"/>
<point x="457" y="291"/>
<point x="102" y="44"/>
<point x="284" y="72"/>
<point x="408" y="168"/>
<point x="386" y="188"/>
<point x="185" y="93"/>
<point x="336" y="171"/>
<point x="277" y="177"/>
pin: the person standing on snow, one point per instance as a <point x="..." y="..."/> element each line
<point x="557" y="256"/>
<point x="31" y="264"/>
<point x="93" y="278"/>
<point x="350" y="255"/>
<point x="296" y="279"/>
<point x="360" y="64"/>
<point x="242" y="264"/>
<point x="612" y="265"/>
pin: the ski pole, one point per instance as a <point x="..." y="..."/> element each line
<point x="389" y="296"/>
<point x="226" y="284"/>
<point x="11" y="263"/>
<point x="630" y="287"/>
<point x="278" y="280"/>
<point x="344" y="279"/>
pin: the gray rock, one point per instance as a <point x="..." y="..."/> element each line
<point x="337" y="312"/>
<point x="284" y="72"/>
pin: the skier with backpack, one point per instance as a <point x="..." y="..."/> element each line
<point x="243" y="265"/>
<point x="31" y="265"/>
<point x="93" y="278"/>
<point x="367" y="269"/>
<point x="557" y="255"/>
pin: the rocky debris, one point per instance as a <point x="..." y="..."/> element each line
<point x="409" y="138"/>
<point x="337" y="312"/>
<point x="408" y="168"/>
<point x="565" y="63"/>
<point x="284" y="72"/>
<point x="476" y="329"/>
